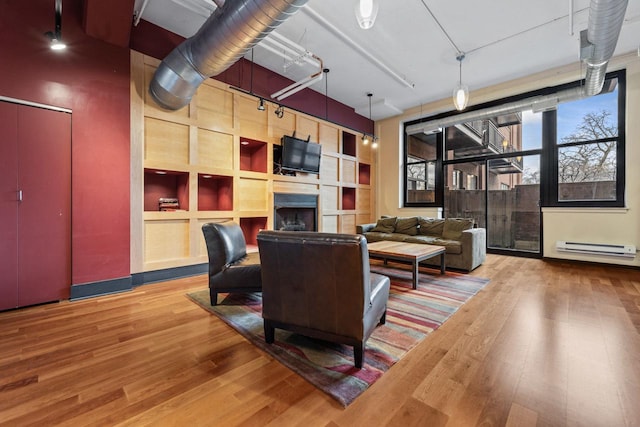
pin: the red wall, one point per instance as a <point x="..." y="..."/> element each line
<point x="92" y="79"/>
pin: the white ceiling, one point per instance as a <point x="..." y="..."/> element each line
<point x="406" y="59"/>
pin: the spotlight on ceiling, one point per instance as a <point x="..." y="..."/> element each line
<point x="55" y="36"/>
<point x="279" y="112"/>
<point x="261" y="105"/>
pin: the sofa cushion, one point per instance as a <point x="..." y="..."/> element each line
<point x="421" y="239"/>
<point x="375" y="236"/>
<point x="407" y="225"/>
<point x="453" y="227"/>
<point x="385" y="225"/>
<point x="431" y="226"/>
<point x="453" y="247"/>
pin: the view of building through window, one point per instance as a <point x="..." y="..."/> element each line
<point x="492" y="167"/>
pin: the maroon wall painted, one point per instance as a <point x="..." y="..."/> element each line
<point x="92" y="79"/>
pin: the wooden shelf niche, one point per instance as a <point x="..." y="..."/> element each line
<point x="163" y="184"/>
<point x="215" y="192"/>
<point x="253" y="155"/>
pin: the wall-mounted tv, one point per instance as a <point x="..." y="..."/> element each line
<point x="300" y="155"/>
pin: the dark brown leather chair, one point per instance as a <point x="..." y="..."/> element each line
<point x="319" y="285"/>
<point x="231" y="268"/>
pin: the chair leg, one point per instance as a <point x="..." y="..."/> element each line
<point x="213" y="295"/>
<point x="269" y="332"/>
<point x="358" y="355"/>
<point x="383" y="318"/>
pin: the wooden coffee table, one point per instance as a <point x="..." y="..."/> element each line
<point x="411" y="252"/>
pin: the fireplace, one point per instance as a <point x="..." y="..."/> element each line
<point x="295" y="212"/>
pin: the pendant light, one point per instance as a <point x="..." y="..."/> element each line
<point x="366" y="12"/>
<point x="461" y="92"/>
<point x="374" y="140"/>
<point x="365" y="137"/>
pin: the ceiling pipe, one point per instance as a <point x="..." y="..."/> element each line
<point x="605" y="22"/>
<point x="225" y="37"/>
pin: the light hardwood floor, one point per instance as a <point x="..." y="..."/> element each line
<point x="545" y="343"/>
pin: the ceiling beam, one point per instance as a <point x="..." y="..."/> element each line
<point x="109" y="21"/>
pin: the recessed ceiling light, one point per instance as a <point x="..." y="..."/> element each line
<point x="161" y="172"/>
<point x="244" y="142"/>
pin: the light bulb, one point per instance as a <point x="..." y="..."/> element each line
<point x="460" y="97"/>
<point x="365" y="139"/>
<point x="57" y="45"/>
<point x="366" y="12"/>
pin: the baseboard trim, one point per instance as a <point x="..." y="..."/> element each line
<point x="147" y="277"/>
<point x="103" y="287"/>
<point x="124" y="284"/>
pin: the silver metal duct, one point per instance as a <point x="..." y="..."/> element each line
<point x="605" y="22"/>
<point x="227" y="35"/>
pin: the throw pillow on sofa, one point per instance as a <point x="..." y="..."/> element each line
<point x="407" y="226"/>
<point x="385" y="225"/>
<point x="453" y="227"/>
<point x="431" y="226"/>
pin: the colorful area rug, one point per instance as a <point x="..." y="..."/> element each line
<point x="411" y="316"/>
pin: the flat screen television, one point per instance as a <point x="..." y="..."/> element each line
<point x="300" y="155"/>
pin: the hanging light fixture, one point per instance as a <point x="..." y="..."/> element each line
<point x="365" y="137"/>
<point x="56" y="36"/>
<point x="461" y="92"/>
<point x="366" y="12"/>
<point x="374" y="139"/>
<point x="261" y="105"/>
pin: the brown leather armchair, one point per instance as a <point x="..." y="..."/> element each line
<point x="319" y="285"/>
<point x="231" y="268"/>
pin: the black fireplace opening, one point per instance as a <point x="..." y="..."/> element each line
<point x="295" y="212"/>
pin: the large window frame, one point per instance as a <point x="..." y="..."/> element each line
<point x="549" y="151"/>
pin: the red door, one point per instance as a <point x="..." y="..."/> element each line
<point x="8" y="206"/>
<point x="35" y="205"/>
<point x="44" y="213"/>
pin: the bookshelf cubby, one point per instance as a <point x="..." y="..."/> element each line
<point x="253" y="155"/>
<point x="348" y="198"/>
<point x="251" y="227"/>
<point x="348" y="144"/>
<point x="364" y="174"/>
<point x="165" y="184"/>
<point x="215" y="192"/>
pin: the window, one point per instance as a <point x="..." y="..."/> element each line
<point x="588" y="144"/>
<point x="456" y="179"/>
<point x="472" y="182"/>
<point x="504" y="187"/>
<point x="420" y="170"/>
<point x="580" y="145"/>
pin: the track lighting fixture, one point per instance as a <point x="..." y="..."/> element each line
<point x="461" y="92"/>
<point x="365" y="139"/>
<point x="279" y="112"/>
<point x="366" y="12"/>
<point x="261" y="105"/>
<point x="55" y="37"/>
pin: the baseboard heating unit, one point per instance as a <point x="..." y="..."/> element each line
<point x="597" y="249"/>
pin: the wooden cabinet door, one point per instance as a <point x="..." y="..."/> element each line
<point x="8" y="205"/>
<point x="44" y="214"/>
